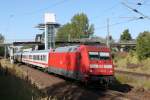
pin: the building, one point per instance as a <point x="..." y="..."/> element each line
<point x="39" y="38"/>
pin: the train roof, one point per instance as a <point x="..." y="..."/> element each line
<point x="74" y="48"/>
<point x="67" y="48"/>
<point x="38" y="51"/>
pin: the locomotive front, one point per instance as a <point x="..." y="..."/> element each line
<point x="100" y="64"/>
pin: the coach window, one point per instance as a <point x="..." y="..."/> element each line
<point x="75" y="49"/>
<point x="69" y="50"/>
<point x="30" y="57"/>
<point x="40" y="57"/>
<point x="37" y="57"/>
<point x="33" y="57"/>
<point x="43" y="57"/>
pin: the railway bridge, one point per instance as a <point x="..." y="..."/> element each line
<point x="123" y="46"/>
<point x="10" y="48"/>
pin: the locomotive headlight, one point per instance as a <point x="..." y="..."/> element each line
<point x="107" y="66"/>
<point x="94" y="66"/>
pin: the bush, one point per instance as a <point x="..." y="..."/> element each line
<point x="2" y="50"/>
<point x="143" y="45"/>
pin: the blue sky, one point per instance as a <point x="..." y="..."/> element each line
<point x="19" y="17"/>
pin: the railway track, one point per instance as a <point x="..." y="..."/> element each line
<point x="60" y="88"/>
<point x="133" y="74"/>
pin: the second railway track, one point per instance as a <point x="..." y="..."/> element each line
<point x="133" y="74"/>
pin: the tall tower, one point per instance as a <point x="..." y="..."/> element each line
<point x="50" y="26"/>
<point x="50" y="30"/>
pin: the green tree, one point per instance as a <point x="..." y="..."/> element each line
<point x="2" y="38"/>
<point x="126" y="36"/>
<point x="79" y="27"/>
<point x="143" y="45"/>
<point x="64" y="32"/>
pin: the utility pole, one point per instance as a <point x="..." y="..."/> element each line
<point x="108" y="45"/>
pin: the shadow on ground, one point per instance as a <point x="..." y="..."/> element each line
<point x="118" y="86"/>
<point x="77" y="91"/>
<point x="72" y="90"/>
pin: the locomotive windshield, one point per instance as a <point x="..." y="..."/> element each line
<point x="99" y="55"/>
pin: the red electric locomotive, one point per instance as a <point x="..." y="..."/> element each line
<point x="82" y="62"/>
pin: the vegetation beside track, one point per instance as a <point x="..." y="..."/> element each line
<point x="11" y="68"/>
<point x="129" y="62"/>
<point x="12" y="84"/>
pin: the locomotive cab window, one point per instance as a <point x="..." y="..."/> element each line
<point x="99" y="55"/>
<point x="94" y="55"/>
<point x="104" y="55"/>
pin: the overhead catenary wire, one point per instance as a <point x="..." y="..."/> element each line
<point x="142" y="16"/>
<point x="136" y="11"/>
<point x="142" y="2"/>
<point x="118" y="23"/>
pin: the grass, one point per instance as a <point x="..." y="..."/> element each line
<point x="129" y="62"/>
<point x="11" y="68"/>
<point x="12" y="86"/>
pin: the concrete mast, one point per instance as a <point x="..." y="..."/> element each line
<point x="49" y="28"/>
